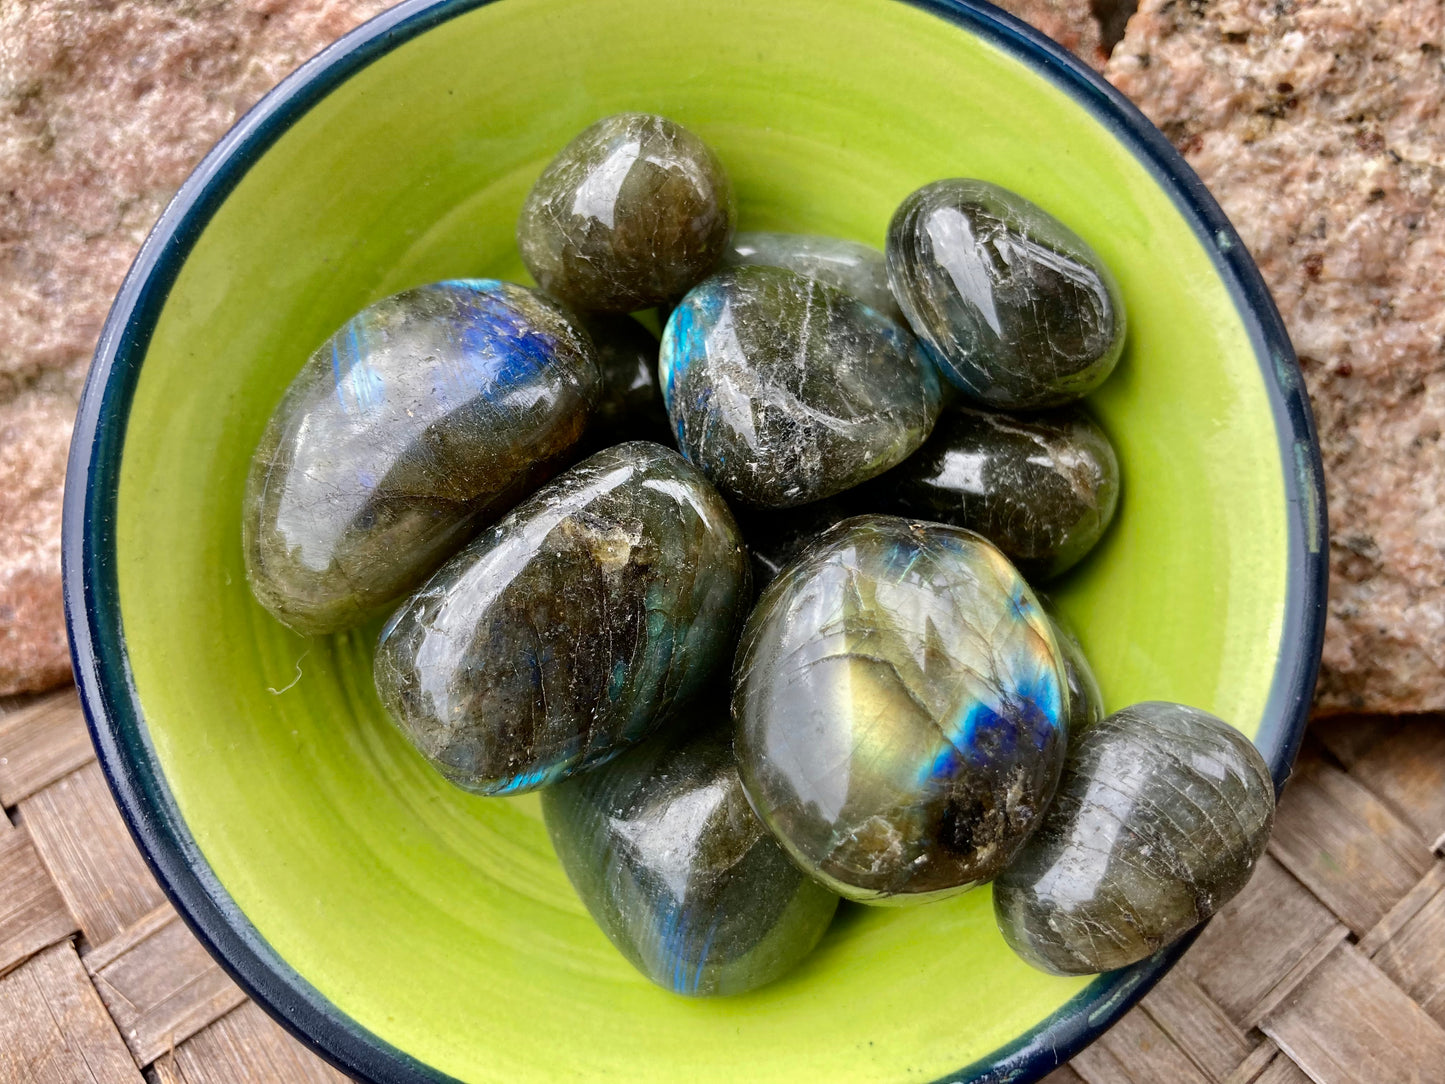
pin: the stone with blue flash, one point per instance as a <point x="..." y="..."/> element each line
<point x="424" y="417"/>
<point x="680" y="874"/>
<point x="1086" y="698"/>
<point x="575" y="626"/>
<point x="901" y="710"/>
<point x="785" y="390"/>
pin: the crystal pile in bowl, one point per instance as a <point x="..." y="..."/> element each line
<point x="755" y="604"/>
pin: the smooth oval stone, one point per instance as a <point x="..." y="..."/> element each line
<point x="573" y="627"/>
<point x="428" y="414"/>
<point x="680" y="874"/>
<point x="1043" y="488"/>
<point x="851" y="266"/>
<point x="630" y="214"/>
<point x="1162" y="812"/>
<point x="630" y="404"/>
<point x="900" y="710"/>
<point x="783" y="390"/>
<point x="1014" y="307"/>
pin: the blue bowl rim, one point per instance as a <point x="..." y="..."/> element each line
<point x="112" y="705"/>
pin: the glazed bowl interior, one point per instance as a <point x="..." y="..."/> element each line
<point x="413" y="931"/>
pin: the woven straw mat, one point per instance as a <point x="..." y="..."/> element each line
<point x="1329" y="967"/>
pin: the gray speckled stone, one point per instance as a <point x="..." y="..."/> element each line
<point x="630" y="214"/>
<point x="1161" y="814"/>
<point x="573" y="627"/>
<point x="784" y="390"/>
<point x="429" y="413"/>
<point x="851" y="266"/>
<point x="1042" y="487"/>
<point x="1015" y="308"/>
<point x="679" y="872"/>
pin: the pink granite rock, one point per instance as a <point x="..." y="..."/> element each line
<point x="34" y="435"/>
<point x="104" y="109"/>
<point x="1318" y="126"/>
<point x="1071" y="23"/>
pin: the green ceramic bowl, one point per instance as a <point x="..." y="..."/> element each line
<point x="411" y="932"/>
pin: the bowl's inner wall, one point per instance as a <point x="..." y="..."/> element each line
<point x="440" y="921"/>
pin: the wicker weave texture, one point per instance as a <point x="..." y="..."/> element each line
<point x="1329" y="967"/>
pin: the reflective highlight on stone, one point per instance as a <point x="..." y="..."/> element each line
<point x="1043" y="487"/>
<point x="1013" y="306"/>
<point x="427" y="414"/>
<point x="783" y="390"/>
<point x="630" y="214"/>
<point x="899" y="705"/>
<point x="851" y="266"/>
<point x="573" y="627"/>
<point x="680" y="874"/>
<point x="1160" y="817"/>
<point x="630" y="405"/>
<point x="1086" y="700"/>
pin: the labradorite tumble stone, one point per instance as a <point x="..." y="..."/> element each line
<point x="1160" y="817"/>
<point x="1016" y="309"/>
<point x="630" y="405"/>
<point x="427" y="414"/>
<point x="852" y="267"/>
<point x="1042" y="488"/>
<point x="630" y="214"/>
<point x="784" y="390"/>
<point x="571" y="628"/>
<point x="899" y="706"/>
<point x="679" y="872"/>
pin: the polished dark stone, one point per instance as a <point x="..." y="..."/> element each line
<point x="630" y="406"/>
<point x="899" y="707"/>
<point x="630" y="214"/>
<point x="680" y="874"/>
<point x="1042" y="487"/>
<point x="775" y="537"/>
<point x="573" y="627"/>
<point x="851" y="266"/>
<point x="784" y="390"/>
<point x="1086" y="699"/>
<point x="1013" y="306"/>
<point x="1162" y="812"/>
<point x="428" y="414"/>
